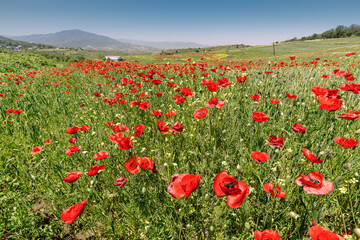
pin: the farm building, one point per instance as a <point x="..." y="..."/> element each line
<point x="113" y="58"/>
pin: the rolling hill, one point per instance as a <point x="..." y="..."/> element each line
<point x="10" y="44"/>
<point x="81" y="39"/>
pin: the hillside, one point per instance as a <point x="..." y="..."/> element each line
<point x="81" y="39"/>
<point x="309" y="48"/>
<point x="164" y="44"/>
<point x="10" y="44"/>
<point x="338" y="32"/>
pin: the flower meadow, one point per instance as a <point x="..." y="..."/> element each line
<point x="263" y="149"/>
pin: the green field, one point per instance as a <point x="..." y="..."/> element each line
<point x="43" y="98"/>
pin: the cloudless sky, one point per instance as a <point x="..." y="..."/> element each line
<point x="211" y="22"/>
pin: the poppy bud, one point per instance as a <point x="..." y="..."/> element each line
<point x="247" y="226"/>
<point x="357" y="232"/>
<point x="347" y="165"/>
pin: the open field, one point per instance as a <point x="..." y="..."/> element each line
<point x="150" y="120"/>
<point x="311" y="48"/>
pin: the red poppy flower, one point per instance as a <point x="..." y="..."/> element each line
<point x="227" y="185"/>
<point x="349" y="77"/>
<point x="297" y="127"/>
<point x="162" y="126"/>
<point x="156" y="113"/>
<point x="156" y="82"/>
<point x="179" y="99"/>
<point x="187" y="92"/>
<point x="268" y="72"/>
<point x="205" y="81"/>
<point x="72" y="140"/>
<point x="145" y="163"/>
<point x="115" y="138"/>
<point x="214" y="102"/>
<point x="330" y="104"/>
<point x="241" y="79"/>
<point x="292" y="57"/>
<point x="101" y="155"/>
<point x="276" y="141"/>
<point x="85" y="128"/>
<point x="319" y="91"/>
<point x="71" y="213"/>
<point x="132" y="165"/>
<point x="314" y="184"/>
<point x="259" y="116"/>
<point x="144" y="105"/>
<point x="291" y="96"/>
<point x="94" y="170"/>
<point x="11" y="110"/>
<point x="352" y="116"/>
<point x="355" y="88"/>
<point x="171" y="113"/>
<point x="352" y="111"/>
<point x="133" y="90"/>
<point x="125" y="143"/>
<point x="338" y="72"/>
<point x="177" y="128"/>
<point x="346" y="143"/>
<point x="269" y="188"/>
<point x="275" y="101"/>
<point x="267" y="234"/>
<point x="18" y="111"/>
<point x="311" y="157"/>
<point x="72" y="130"/>
<point x="120" y="182"/>
<point x="260" y="156"/>
<point x="320" y="233"/>
<point x="97" y="94"/>
<point x="47" y="142"/>
<point x="325" y="76"/>
<point x="36" y="150"/>
<point x="120" y="128"/>
<point x="213" y="86"/>
<point x="183" y="185"/>
<point x="74" y="148"/>
<point x="255" y="97"/>
<point x="139" y="129"/>
<point x="72" y="177"/>
<point x="223" y="82"/>
<point x="200" y="113"/>
<point x="68" y="152"/>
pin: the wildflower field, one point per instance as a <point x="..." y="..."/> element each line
<point x="262" y="149"/>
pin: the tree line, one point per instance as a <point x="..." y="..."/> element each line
<point x="338" y="32"/>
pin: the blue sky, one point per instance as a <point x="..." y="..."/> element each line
<point x="212" y="22"/>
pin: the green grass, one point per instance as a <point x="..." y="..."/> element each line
<point x="34" y="196"/>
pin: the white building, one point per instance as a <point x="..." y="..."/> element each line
<point x="113" y="58"/>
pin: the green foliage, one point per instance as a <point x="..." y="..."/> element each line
<point x="17" y="62"/>
<point x="338" y="32"/>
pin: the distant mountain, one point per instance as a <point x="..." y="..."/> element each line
<point x="81" y="39"/>
<point x="10" y="44"/>
<point x="164" y="45"/>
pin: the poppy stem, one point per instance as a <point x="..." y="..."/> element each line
<point x="315" y="216"/>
